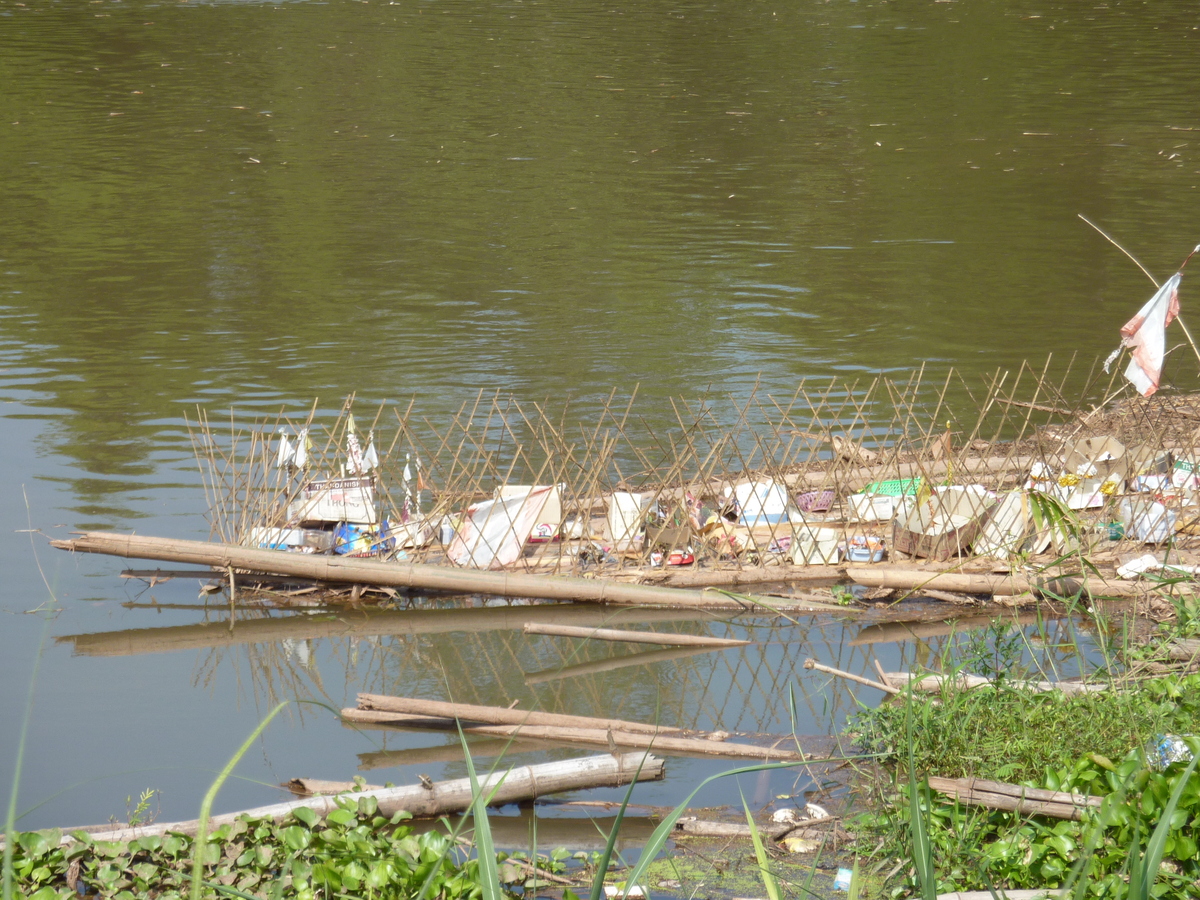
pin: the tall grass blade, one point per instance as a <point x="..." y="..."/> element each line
<point x="606" y="856"/>
<point x="485" y="847"/>
<point x="922" y="850"/>
<point x="770" y="883"/>
<point x="1144" y="871"/>
<point x="10" y="818"/>
<point x="206" y="804"/>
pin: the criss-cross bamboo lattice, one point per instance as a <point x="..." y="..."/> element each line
<point x="828" y="437"/>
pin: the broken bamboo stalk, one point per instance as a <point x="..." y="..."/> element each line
<point x="964" y="682"/>
<point x="1063" y="586"/>
<point x="501" y="715"/>
<point x="588" y="737"/>
<point x="632" y="637"/>
<point x="1015" y="797"/>
<point x="503" y="786"/>
<point x="850" y="676"/>
<point x="352" y="570"/>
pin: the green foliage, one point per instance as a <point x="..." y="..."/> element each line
<point x="977" y="849"/>
<point x="1015" y="735"/>
<point x="353" y="851"/>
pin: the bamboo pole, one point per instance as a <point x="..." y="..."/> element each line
<point x="915" y="579"/>
<point x="965" y="682"/>
<point x="1015" y="797"/>
<point x="504" y="786"/>
<point x="500" y="715"/>
<point x="850" y="676"/>
<point x="632" y="637"/>
<point x="416" y="575"/>
<point x="591" y="737"/>
<point x="683" y="576"/>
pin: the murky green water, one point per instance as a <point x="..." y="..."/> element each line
<point x="251" y="204"/>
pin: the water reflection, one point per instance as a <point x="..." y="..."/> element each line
<point x="479" y="655"/>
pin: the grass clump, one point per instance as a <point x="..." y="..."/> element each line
<point x="1009" y="734"/>
<point x="1141" y="842"/>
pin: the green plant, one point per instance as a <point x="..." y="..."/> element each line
<point x="974" y="849"/>
<point x="139" y="814"/>
<point x="353" y="850"/>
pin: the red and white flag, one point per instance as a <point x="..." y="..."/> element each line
<point x="1145" y="336"/>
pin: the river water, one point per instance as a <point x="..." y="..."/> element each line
<point x="251" y="205"/>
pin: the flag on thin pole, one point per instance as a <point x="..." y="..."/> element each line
<point x="1145" y="336"/>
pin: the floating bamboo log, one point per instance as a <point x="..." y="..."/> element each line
<point x="504" y="786"/>
<point x="965" y="682"/>
<point x="588" y="737"/>
<point x="632" y="637"/>
<point x="500" y="715"/>
<point x="916" y="579"/>
<point x="416" y="575"/>
<point x="594" y="667"/>
<point x="1014" y="797"/>
<point x="359" y="623"/>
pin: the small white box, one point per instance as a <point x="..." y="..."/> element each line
<point x="815" y="546"/>
<point x="873" y="507"/>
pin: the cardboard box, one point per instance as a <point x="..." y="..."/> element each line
<point x="337" y="500"/>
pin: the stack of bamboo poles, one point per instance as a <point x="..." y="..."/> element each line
<point x="586" y="731"/>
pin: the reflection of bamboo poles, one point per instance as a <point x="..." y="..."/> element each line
<point x="442" y="753"/>
<point x="361" y="623"/>
<point x="631" y="637"/>
<point x="889" y="632"/>
<point x="646" y="658"/>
